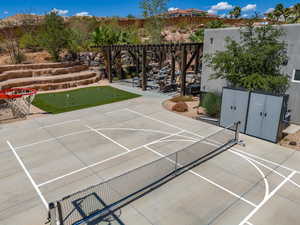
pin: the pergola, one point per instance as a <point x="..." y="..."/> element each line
<point x="189" y="53"/>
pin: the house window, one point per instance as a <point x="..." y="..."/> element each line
<point x="296" y="77"/>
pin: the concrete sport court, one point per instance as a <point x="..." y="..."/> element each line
<point x="47" y="158"/>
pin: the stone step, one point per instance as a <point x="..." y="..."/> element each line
<point x="4" y="68"/>
<point x="64" y="85"/>
<point x="31" y="81"/>
<point x="14" y="74"/>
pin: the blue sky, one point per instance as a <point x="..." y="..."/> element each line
<point x="125" y="7"/>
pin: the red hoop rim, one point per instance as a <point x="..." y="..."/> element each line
<point x="6" y="93"/>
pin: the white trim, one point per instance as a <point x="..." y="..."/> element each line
<point x="293" y="76"/>
<point x="28" y="175"/>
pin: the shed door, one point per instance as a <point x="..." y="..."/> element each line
<point x="228" y="101"/>
<point x="241" y="108"/>
<point x="255" y="114"/>
<point x="272" y="114"/>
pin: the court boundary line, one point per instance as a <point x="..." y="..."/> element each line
<point x="207" y="180"/>
<point x="261" y="204"/>
<point x="287" y="179"/>
<point x="28" y="175"/>
<point x="101" y="162"/>
<point x="59" y="124"/>
<point x="244" y="156"/>
<point x="108" y="138"/>
<point x="277" y="164"/>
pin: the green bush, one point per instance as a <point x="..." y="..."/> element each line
<point x="212" y="104"/>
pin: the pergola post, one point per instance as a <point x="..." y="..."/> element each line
<point x="173" y="68"/>
<point x="183" y="70"/>
<point x="160" y="59"/>
<point x="197" y="59"/>
<point x="109" y="61"/>
<point x="144" y="69"/>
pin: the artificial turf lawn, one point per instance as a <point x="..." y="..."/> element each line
<point x="66" y="101"/>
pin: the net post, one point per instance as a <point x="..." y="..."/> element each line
<point x="237" y="131"/>
<point x="52" y="214"/>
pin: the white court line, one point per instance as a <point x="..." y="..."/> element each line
<point x="267" y="167"/>
<point x="81" y="169"/>
<point x="159" y="140"/>
<point x="267" y="199"/>
<point x="28" y="175"/>
<point x="266" y="160"/>
<point x="248" y="223"/>
<point x="108" y="138"/>
<point x="99" y="129"/>
<point x="267" y="188"/>
<point x="59" y="124"/>
<point x="157" y="120"/>
<point x="206" y="179"/>
<point x="52" y="139"/>
<point x="98" y="163"/>
<point x="241" y="155"/>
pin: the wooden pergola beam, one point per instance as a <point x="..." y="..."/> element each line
<point x="183" y="71"/>
<point x="144" y="70"/>
<point x="109" y="61"/>
<point x="162" y="50"/>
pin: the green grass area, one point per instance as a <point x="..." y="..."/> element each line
<point x="81" y="98"/>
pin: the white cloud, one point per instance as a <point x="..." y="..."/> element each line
<point x="223" y="15"/>
<point x="82" y="14"/>
<point x="212" y="11"/>
<point x="249" y="7"/>
<point x="221" y="6"/>
<point x="5" y="12"/>
<point x="172" y="9"/>
<point x="245" y="15"/>
<point x="60" y="12"/>
<point x="270" y="10"/>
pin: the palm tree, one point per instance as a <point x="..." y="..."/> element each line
<point x="296" y="12"/>
<point x="278" y="11"/>
<point x="236" y="12"/>
<point x="287" y="13"/>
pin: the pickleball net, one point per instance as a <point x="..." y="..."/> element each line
<point x="94" y="204"/>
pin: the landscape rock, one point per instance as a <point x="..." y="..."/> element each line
<point x="180" y="107"/>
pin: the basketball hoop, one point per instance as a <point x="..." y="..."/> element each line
<point x="18" y="100"/>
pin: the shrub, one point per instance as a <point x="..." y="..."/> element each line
<point x="182" y="99"/>
<point x="180" y="107"/>
<point x="212" y="104"/>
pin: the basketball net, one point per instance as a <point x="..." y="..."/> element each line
<point x="18" y="100"/>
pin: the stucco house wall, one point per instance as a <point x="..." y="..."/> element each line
<point x="214" y="40"/>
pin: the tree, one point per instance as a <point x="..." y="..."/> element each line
<point x="152" y="11"/>
<point x="255" y="62"/>
<point x="152" y="8"/>
<point x="278" y="11"/>
<point x="130" y="16"/>
<point x="11" y="34"/>
<point x="53" y="35"/>
<point x="236" y="12"/>
<point x="79" y="34"/>
<point x="296" y="12"/>
<point x="111" y="34"/>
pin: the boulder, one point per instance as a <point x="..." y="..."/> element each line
<point x="180" y="107"/>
